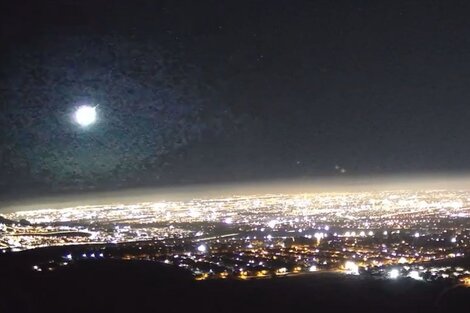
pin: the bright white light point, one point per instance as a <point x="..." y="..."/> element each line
<point x="453" y="240"/>
<point x="201" y="248"/>
<point x="85" y="115"/>
<point x="414" y="275"/>
<point x="228" y="220"/>
<point x="394" y="273"/>
<point x="351" y="268"/>
<point x="402" y="260"/>
<point x="318" y="236"/>
<point x="272" y="223"/>
<point x="416" y="235"/>
<point x="312" y="268"/>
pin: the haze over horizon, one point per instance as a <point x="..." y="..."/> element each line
<point x="214" y="191"/>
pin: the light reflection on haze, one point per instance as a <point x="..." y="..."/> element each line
<point x="297" y="186"/>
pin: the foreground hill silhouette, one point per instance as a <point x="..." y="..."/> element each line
<point x="138" y="286"/>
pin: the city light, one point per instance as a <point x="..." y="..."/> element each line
<point x="272" y="223"/>
<point x="394" y="273"/>
<point x="351" y="268"/>
<point x="272" y="232"/>
<point x="415" y="275"/>
<point x="202" y="248"/>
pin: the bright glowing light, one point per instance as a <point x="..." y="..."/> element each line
<point x="312" y="268"/>
<point x="416" y="235"/>
<point x="351" y="268"/>
<point x="466" y="281"/>
<point x="453" y="240"/>
<point x="202" y="248"/>
<point x="228" y="220"/>
<point x="318" y="236"/>
<point x="85" y="115"/>
<point x="402" y="260"/>
<point x="414" y="275"/>
<point x="272" y="223"/>
<point x="394" y="273"/>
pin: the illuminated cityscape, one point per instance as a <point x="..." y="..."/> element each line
<point x="384" y="234"/>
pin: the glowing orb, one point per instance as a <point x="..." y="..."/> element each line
<point x="85" y="115"/>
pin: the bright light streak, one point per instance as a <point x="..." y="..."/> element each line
<point x="85" y="115"/>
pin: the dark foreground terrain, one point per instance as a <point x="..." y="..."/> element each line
<point x="125" y="286"/>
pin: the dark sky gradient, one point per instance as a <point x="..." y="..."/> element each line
<point x="212" y="91"/>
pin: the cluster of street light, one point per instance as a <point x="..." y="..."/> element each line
<point x="299" y="233"/>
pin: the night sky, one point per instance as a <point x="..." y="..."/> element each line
<point x="224" y="91"/>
